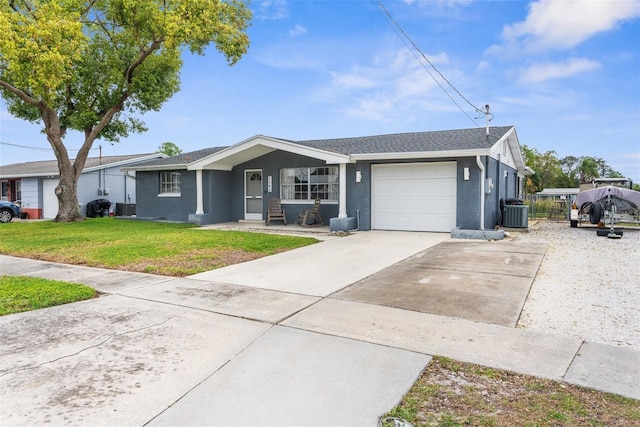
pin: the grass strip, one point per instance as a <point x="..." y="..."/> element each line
<point x="172" y="249"/>
<point x="451" y="393"/>
<point x="20" y="293"/>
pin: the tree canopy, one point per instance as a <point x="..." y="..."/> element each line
<point x="566" y="172"/>
<point x="94" y="66"/>
<point x="169" y="148"/>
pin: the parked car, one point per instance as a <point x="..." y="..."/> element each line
<point x="8" y="210"/>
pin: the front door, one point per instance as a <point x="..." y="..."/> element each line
<point x="253" y="194"/>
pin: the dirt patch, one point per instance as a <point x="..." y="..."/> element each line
<point x="195" y="262"/>
<point x="450" y="393"/>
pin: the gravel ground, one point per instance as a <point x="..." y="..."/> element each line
<point x="587" y="286"/>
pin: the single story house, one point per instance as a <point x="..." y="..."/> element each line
<point x="33" y="184"/>
<point x="423" y="181"/>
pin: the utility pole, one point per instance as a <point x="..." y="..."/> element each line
<point x="487" y="113"/>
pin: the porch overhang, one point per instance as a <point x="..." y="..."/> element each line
<point x="258" y="146"/>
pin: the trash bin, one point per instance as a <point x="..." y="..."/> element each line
<point x="98" y="208"/>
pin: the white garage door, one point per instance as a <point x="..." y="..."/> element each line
<point x="49" y="199"/>
<point x="414" y="196"/>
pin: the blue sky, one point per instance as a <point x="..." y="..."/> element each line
<point x="565" y="73"/>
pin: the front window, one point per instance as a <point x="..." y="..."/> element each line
<point x="304" y="184"/>
<point x="170" y="183"/>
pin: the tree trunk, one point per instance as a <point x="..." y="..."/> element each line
<point x="67" y="193"/>
<point x="67" y="189"/>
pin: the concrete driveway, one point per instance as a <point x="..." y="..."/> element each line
<point x="284" y="340"/>
<point x="482" y="281"/>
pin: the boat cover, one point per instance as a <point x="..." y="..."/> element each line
<point x="624" y="194"/>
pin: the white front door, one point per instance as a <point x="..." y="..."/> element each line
<point x="253" y="194"/>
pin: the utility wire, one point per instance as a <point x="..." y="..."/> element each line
<point x="405" y="37"/>
<point x="29" y="147"/>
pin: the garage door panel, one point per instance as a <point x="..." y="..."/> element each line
<point x="414" y="197"/>
<point x="49" y="198"/>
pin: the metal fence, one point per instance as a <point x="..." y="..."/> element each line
<point x="551" y="206"/>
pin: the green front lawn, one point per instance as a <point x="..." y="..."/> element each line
<point x="161" y="248"/>
<point x="19" y="293"/>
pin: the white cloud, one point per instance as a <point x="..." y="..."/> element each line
<point x="563" y="24"/>
<point x="541" y="72"/>
<point x="391" y="87"/>
<point x="298" y="30"/>
<point x="271" y="10"/>
<point x="483" y="65"/>
<point x="353" y="80"/>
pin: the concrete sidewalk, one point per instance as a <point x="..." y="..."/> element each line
<point x="215" y="349"/>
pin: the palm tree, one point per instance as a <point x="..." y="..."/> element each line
<point x="588" y="170"/>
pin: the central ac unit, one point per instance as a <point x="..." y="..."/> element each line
<point x="516" y="216"/>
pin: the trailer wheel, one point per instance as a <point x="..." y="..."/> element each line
<point x="595" y="213"/>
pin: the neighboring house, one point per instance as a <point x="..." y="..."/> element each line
<point x="33" y="183"/>
<point x="424" y="181"/>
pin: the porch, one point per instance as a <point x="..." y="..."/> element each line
<point x="278" y="228"/>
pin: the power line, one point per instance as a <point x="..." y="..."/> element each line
<point x="30" y="147"/>
<point x="405" y="37"/>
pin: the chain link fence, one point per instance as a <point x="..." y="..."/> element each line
<point x="551" y="206"/>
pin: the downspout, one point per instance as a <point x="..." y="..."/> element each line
<point x="481" y="167"/>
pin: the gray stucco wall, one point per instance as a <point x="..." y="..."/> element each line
<point x="468" y="200"/>
<point x="270" y="164"/>
<point x="216" y="197"/>
<point x="224" y="191"/>
<point x="504" y="188"/>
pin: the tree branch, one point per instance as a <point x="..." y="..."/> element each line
<point x="143" y="55"/>
<point x="19" y="93"/>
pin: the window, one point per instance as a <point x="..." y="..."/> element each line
<point x="309" y="183"/>
<point x="18" y="188"/>
<point x="170" y="183"/>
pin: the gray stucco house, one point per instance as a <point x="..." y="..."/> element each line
<point x="424" y="181"/>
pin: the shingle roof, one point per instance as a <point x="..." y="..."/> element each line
<point x="181" y="160"/>
<point x="50" y="167"/>
<point x="460" y="139"/>
<point x="418" y="142"/>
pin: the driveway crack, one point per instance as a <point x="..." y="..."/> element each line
<point x="106" y="340"/>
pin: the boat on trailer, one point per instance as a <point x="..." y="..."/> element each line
<point x="607" y="206"/>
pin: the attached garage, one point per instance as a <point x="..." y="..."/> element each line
<point x="49" y="199"/>
<point x="414" y="196"/>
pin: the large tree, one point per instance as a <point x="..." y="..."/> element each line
<point x="93" y="66"/>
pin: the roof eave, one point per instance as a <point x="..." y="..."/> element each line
<point x="155" y="167"/>
<point x="125" y="162"/>
<point x="51" y="174"/>
<point x="260" y="145"/>
<point x="422" y="154"/>
<point x="511" y="138"/>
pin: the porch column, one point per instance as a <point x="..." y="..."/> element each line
<point x="199" y="203"/>
<point x="342" y="207"/>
